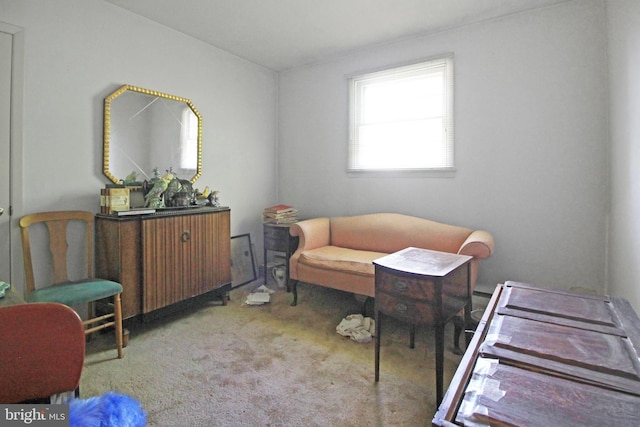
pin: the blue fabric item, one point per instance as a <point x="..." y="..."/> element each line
<point x="109" y="410"/>
<point x="76" y="293"/>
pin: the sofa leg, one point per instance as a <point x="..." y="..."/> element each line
<point x="365" y="306"/>
<point x="412" y="336"/>
<point x="294" y="291"/>
<point x="458" y="326"/>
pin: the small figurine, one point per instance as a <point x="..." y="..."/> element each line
<point x="156" y="176"/>
<point x="205" y="193"/>
<point x="153" y="199"/>
<point x="213" y="198"/>
<point x="187" y="187"/>
<point x="172" y="189"/>
<point x="131" y="177"/>
<point x="200" y="197"/>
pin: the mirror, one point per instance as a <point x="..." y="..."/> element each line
<point x="147" y="133"/>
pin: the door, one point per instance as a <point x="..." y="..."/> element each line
<point x="5" y="155"/>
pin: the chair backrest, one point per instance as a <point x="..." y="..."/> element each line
<point x="57" y="225"/>
<point x="41" y="351"/>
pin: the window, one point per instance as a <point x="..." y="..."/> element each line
<point x="402" y="118"/>
<point x="189" y="140"/>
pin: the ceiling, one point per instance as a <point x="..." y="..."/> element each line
<point x="283" y="34"/>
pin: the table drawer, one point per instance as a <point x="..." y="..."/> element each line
<point x="279" y="245"/>
<point x="410" y="311"/>
<point x="404" y="286"/>
<point x="275" y="232"/>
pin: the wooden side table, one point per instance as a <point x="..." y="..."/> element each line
<point x="278" y="239"/>
<point x="421" y="286"/>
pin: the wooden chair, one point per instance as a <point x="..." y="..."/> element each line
<point x="84" y="290"/>
<point x="42" y="352"/>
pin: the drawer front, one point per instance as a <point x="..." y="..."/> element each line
<point x="402" y="286"/>
<point x="410" y="311"/>
<point x="279" y="245"/>
<point x="280" y="233"/>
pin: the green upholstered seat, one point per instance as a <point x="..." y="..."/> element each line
<point x="76" y="293"/>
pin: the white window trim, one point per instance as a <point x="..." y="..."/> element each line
<point x="445" y="60"/>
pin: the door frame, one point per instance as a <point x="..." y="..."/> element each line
<point x="16" y="144"/>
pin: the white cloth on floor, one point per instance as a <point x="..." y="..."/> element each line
<point x="358" y="327"/>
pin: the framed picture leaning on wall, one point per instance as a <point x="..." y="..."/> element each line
<point x="243" y="268"/>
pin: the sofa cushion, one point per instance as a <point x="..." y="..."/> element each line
<point x="390" y="232"/>
<point x="341" y="259"/>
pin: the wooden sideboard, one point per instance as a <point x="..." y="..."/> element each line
<point x="164" y="258"/>
<point x="548" y="357"/>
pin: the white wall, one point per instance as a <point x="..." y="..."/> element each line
<point x="623" y="24"/>
<point x="530" y="134"/>
<point x="531" y="130"/>
<point x="76" y="52"/>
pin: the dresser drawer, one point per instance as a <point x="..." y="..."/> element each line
<point x="410" y="311"/>
<point x="404" y="286"/>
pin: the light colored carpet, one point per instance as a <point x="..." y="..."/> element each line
<point x="270" y="365"/>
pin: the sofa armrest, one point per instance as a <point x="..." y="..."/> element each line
<point x="479" y="245"/>
<point x="313" y="233"/>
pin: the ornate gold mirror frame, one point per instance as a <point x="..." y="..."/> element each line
<point x="147" y="133"/>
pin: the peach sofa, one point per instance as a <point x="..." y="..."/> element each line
<point x="338" y="252"/>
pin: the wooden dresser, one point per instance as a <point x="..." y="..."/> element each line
<point x="548" y="357"/>
<point x="164" y="258"/>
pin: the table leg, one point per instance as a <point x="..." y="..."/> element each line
<point x="287" y="255"/>
<point x="439" y="333"/>
<point x="458" y="328"/>
<point x="378" y="330"/>
<point x="467" y="309"/>
<point x="265" y="267"/>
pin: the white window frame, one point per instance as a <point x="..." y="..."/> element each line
<point x="415" y="158"/>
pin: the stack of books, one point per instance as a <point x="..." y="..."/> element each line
<point x="280" y="214"/>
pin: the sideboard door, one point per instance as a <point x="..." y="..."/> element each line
<point x="184" y="256"/>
